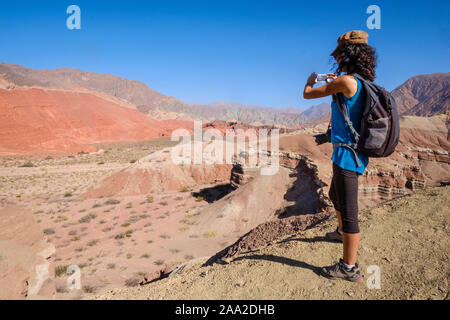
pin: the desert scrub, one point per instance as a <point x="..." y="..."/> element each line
<point x="210" y="234"/>
<point x="76" y="238"/>
<point x="164" y="203"/>
<point x="199" y="199"/>
<point x="111" y="202"/>
<point x="59" y="270"/>
<point x="87" y="218"/>
<point x="89" y="289"/>
<point x="129" y="256"/>
<point x="111" y="266"/>
<point x="119" y="236"/>
<point x="128" y="233"/>
<point x="145" y="256"/>
<point x="93" y="242"/>
<point x="61" y="218"/>
<point x="100" y="163"/>
<point x="164" y="236"/>
<point x="192" y="213"/>
<point x="185" y="189"/>
<point x="158" y="262"/>
<point x="125" y="224"/>
<point x="132" y="282"/>
<point x="62" y="289"/>
<point x="72" y="232"/>
<point x="183" y="228"/>
<point x="150" y="199"/>
<point x="49" y="231"/>
<point x="27" y="164"/>
<point x="68" y="194"/>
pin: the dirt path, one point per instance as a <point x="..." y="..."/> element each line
<point x="407" y="238"/>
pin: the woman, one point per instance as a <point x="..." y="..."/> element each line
<point x="353" y="55"/>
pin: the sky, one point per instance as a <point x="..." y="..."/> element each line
<point x="253" y="52"/>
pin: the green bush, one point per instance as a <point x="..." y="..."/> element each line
<point x="60" y="270"/>
<point x="49" y="231"/>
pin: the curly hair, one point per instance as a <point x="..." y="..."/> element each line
<point x="357" y="58"/>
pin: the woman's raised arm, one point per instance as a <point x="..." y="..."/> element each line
<point x="345" y="84"/>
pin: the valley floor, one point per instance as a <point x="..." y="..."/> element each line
<point x="406" y="238"/>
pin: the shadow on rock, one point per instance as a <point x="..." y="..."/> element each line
<point x="214" y="193"/>
<point x="309" y="240"/>
<point x="302" y="194"/>
<point x="282" y="260"/>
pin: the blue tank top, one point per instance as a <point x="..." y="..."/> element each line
<point x="340" y="133"/>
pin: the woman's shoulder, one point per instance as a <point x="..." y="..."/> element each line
<point x="349" y="80"/>
<point x="349" y="84"/>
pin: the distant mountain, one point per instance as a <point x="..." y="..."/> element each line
<point x="133" y="91"/>
<point x="315" y="112"/>
<point x="256" y="115"/>
<point x="151" y="102"/>
<point x="424" y="95"/>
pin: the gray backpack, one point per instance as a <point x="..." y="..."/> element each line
<point x="379" y="132"/>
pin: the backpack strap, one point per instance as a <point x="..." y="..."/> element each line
<point x="371" y="90"/>
<point x="352" y="148"/>
<point x="339" y="99"/>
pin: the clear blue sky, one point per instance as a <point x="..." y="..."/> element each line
<point x="252" y="52"/>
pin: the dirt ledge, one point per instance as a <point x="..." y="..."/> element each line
<point x="408" y="238"/>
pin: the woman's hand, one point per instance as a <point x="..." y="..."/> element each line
<point x="311" y="79"/>
<point x="331" y="76"/>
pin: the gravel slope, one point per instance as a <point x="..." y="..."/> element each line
<point x="407" y="238"/>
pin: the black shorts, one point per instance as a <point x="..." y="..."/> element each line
<point x="344" y="195"/>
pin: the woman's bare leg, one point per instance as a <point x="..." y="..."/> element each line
<point x="351" y="242"/>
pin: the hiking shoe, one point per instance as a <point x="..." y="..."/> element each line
<point x="334" y="236"/>
<point x="339" y="272"/>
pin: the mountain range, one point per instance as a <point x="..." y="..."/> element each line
<point x="424" y="95"/>
<point x="151" y="102"/>
<point x="66" y="110"/>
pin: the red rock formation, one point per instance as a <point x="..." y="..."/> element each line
<point x="53" y="121"/>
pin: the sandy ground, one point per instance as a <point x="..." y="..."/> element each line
<point x="406" y="238"/>
<point x="114" y="240"/>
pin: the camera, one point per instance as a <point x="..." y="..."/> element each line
<point x="323" y="137"/>
<point x="323" y="78"/>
